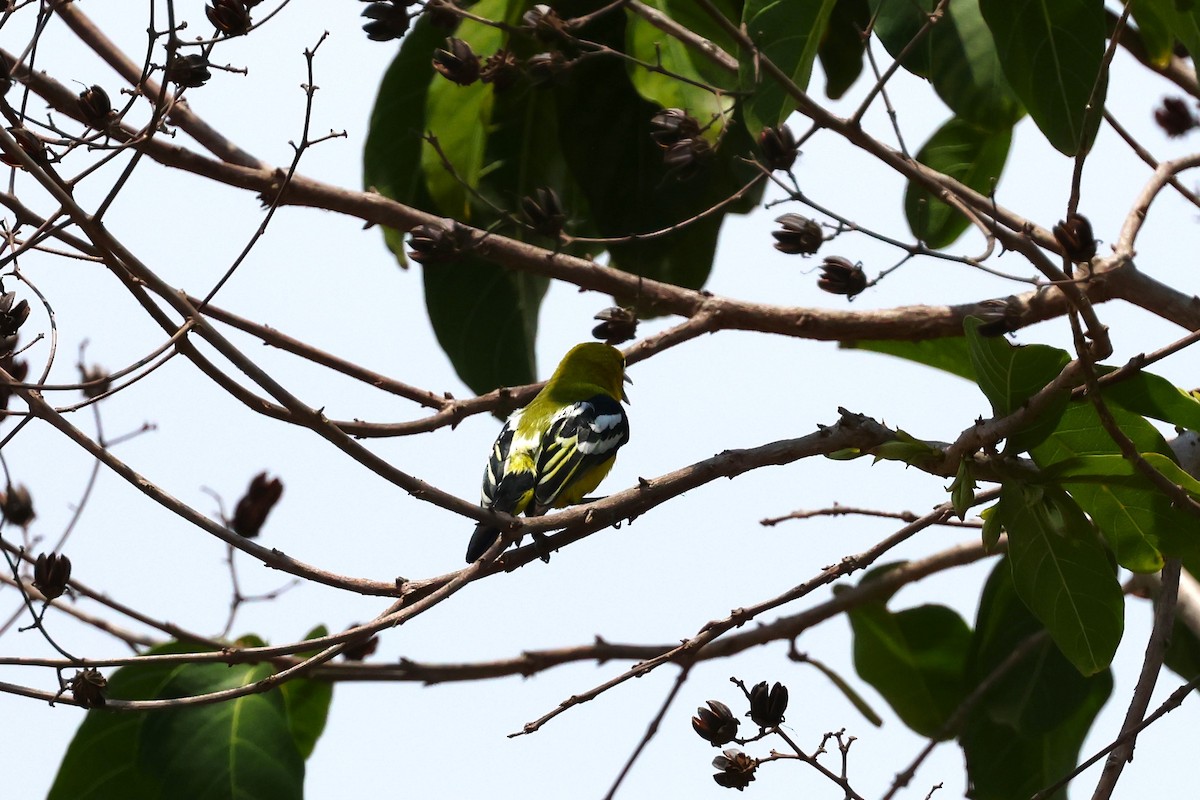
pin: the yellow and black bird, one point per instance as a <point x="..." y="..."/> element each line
<point x="558" y="448"/>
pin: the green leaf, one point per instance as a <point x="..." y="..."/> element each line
<point x="1010" y="374"/>
<point x="914" y="658"/>
<point x="788" y="32"/>
<point x="907" y="448"/>
<point x="1153" y="396"/>
<point x="651" y="45"/>
<point x="392" y="153"/>
<point x="1039" y="692"/>
<point x="896" y="23"/>
<point x="1051" y="51"/>
<point x="307" y="703"/>
<point x="966" y="74"/>
<point x="245" y="747"/>
<point x="950" y="354"/>
<point x="841" y="51"/>
<point x="1155" y="20"/>
<point x="1131" y="520"/>
<point x="1062" y="573"/>
<point x="962" y="490"/>
<point x="971" y="155"/>
<point x="1002" y="765"/>
<point x="848" y="691"/>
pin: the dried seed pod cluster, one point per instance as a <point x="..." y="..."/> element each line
<point x="252" y="509"/>
<point x="798" y="236"/>
<point x="51" y="573"/>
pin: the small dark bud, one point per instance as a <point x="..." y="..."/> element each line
<point x="457" y="62"/>
<point x="252" y="509"/>
<point x="617" y="325"/>
<point x="737" y="769"/>
<point x="839" y="276"/>
<point x="95" y="107"/>
<point x="95" y="379"/>
<point x="437" y="242"/>
<point x="87" y="687"/>
<point x="779" y="148"/>
<point x="767" y="705"/>
<point x="443" y="14"/>
<point x="544" y="213"/>
<point x="17" y="505"/>
<point x="501" y="70"/>
<point x="1075" y="235"/>
<point x="799" y="235"/>
<point x="547" y="69"/>
<point x="1174" y="117"/>
<point x="12" y="317"/>
<point x="672" y="125"/>
<point x="188" y="72"/>
<point x="716" y="724"/>
<point x="51" y="572"/>
<point x="5" y="74"/>
<point x="358" y="651"/>
<point x="28" y="141"/>
<point x="545" y="23"/>
<point x="230" y="17"/>
<point x="17" y="369"/>
<point x="685" y="157"/>
<point x="388" y="22"/>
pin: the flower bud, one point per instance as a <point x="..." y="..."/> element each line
<point x="767" y="706"/>
<point x="799" y="236"/>
<point x="778" y="147"/>
<point x="457" y="62"/>
<point x="252" y="509"/>
<point x="51" y="572"/>
<point x="715" y="724"/>
<point x="839" y="276"/>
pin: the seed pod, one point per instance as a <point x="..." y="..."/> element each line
<point x="87" y="687"/>
<point x="251" y="511"/>
<point x="5" y="74"/>
<point x="767" y="705"/>
<point x="443" y="14"/>
<point x="28" y="141"/>
<point x="799" y="235"/>
<point x="1174" y="117"/>
<point x="16" y="369"/>
<point x="544" y="212"/>
<point x="95" y="107"/>
<point x="359" y="650"/>
<point x="438" y="242"/>
<point x="617" y="325"/>
<point x="12" y="317"/>
<point x="685" y="157"/>
<point x="1075" y="235"/>
<point x="778" y="147"/>
<point x="17" y="505"/>
<point x="230" y="17"/>
<point x="716" y="724"/>
<point x="547" y="69"/>
<point x="388" y="21"/>
<point x="96" y="380"/>
<point x="501" y="69"/>
<point x="545" y="23"/>
<point x="737" y="769"/>
<point x="839" y="276"/>
<point x="672" y="125"/>
<point x="51" y="572"/>
<point x="457" y="62"/>
<point x="188" y="72"/>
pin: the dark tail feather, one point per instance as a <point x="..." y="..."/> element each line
<point x="483" y="538"/>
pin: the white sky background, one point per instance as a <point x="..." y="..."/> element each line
<point x="318" y="276"/>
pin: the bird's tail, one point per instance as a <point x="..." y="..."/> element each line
<point x="483" y="538"/>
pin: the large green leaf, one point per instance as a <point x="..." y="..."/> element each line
<point x="245" y="748"/>
<point x="1155" y="20"/>
<point x="1009" y="375"/>
<point x="1039" y="692"/>
<point x="307" y="704"/>
<point x="789" y="33"/>
<point x="949" y="354"/>
<point x="897" y="23"/>
<point x="1051" y="51"/>
<point x="914" y="658"/>
<point x="1062" y="573"/>
<point x="973" y="156"/>
<point x="1002" y="764"/>
<point x="1154" y="396"/>
<point x="1131" y="519"/>
<point x="841" y="51"/>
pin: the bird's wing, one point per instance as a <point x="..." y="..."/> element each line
<point x="580" y="437"/>
<point x="509" y="478"/>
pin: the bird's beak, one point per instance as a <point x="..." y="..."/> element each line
<point x="625" y="377"/>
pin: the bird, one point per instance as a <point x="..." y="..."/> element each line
<point x="559" y="447"/>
